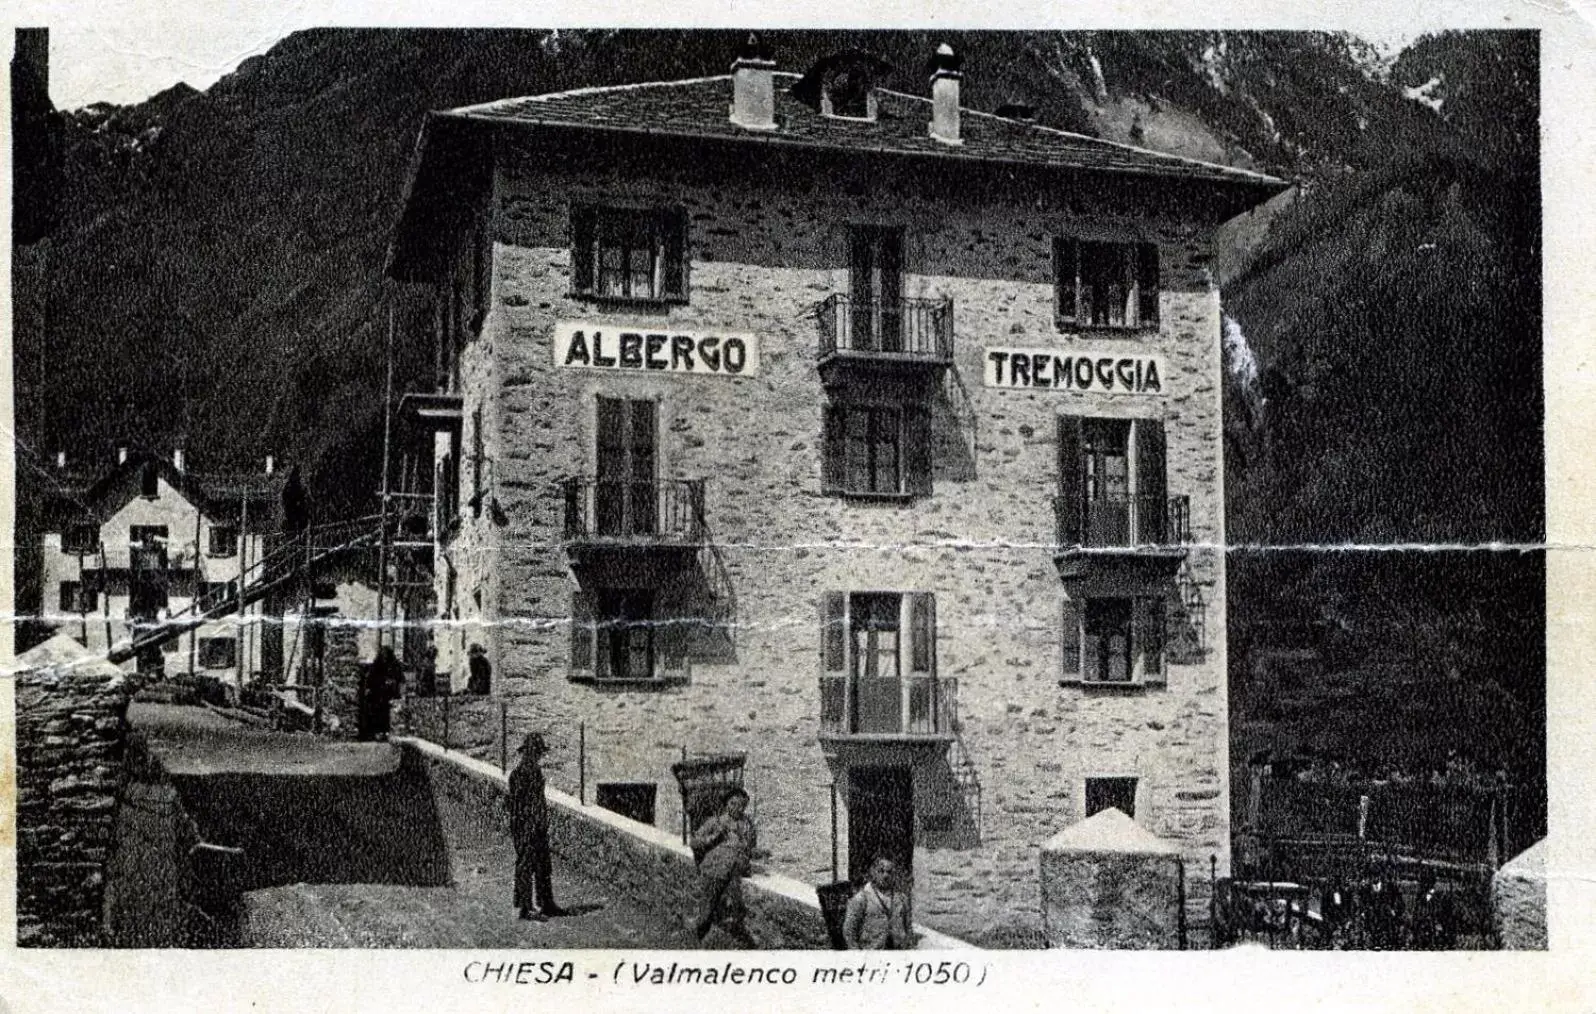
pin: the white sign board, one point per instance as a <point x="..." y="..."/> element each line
<point x="588" y="346"/>
<point x="1085" y="370"/>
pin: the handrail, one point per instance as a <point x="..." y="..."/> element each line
<point x="624" y="509"/>
<point x="905" y="328"/>
<point x="1122" y="521"/>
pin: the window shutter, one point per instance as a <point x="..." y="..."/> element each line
<point x="476" y="463"/>
<point x="1147" y="284"/>
<point x="582" y="221"/>
<point x="673" y="229"/>
<point x="834" y="633"/>
<point x="834" y="453"/>
<point x="918" y="458"/>
<point x="1149" y="638"/>
<point x="1070" y="492"/>
<point x="1151" y="500"/>
<point x="581" y="632"/>
<point x="922" y="632"/>
<point x="1070" y="635"/>
<point x="1064" y="272"/>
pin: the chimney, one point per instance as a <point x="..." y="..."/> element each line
<point x="177" y="458"/>
<point x="945" y="79"/>
<point x="60" y="459"/>
<point x="121" y="454"/>
<point x="753" y="87"/>
<point x="271" y="463"/>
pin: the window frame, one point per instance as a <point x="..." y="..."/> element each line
<point x="231" y="532"/>
<point x="912" y="618"/>
<point x="1086" y="791"/>
<point x="667" y="249"/>
<point x="84" y="598"/>
<point x="208" y="643"/>
<point x="1142" y="269"/>
<point x="591" y="645"/>
<point x="1146" y="639"/>
<point x="914" y="450"/>
<point x="71" y="547"/>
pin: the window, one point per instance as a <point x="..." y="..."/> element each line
<point x="1113" y="640"/>
<point x="624" y="496"/>
<point x="877" y="450"/>
<point x="1118" y="793"/>
<point x="476" y="462"/>
<point x="218" y="652"/>
<point x="150" y="482"/>
<point x="875" y="289"/>
<point x="147" y="547"/>
<point x="76" y="598"/>
<point x="1111" y="285"/>
<point x="214" y="593"/>
<point x="627" y="254"/>
<point x="616" y="634"/>
<point x="1111" y="484"/>
<point x="224" y="540"/>
<point x="83" y="538"/>
<point x="878" y="660"/>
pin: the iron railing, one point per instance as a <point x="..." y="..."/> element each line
<point x="910" y="330"/>
<point x="648" y="510"/>
<point x="917" y="705"/>
<point x="1123" y="521"/>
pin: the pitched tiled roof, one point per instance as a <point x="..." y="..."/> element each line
<point x="700" y="107"/>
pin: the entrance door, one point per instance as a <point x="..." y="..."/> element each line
<point x="623" y="501"/>
<point x="626" y="634"/>
<point x="876" y="287"/>
<point x="880" y="819"/>
<point x="877" y="676"/>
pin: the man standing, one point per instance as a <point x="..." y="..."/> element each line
<point x="877" y="918"/>
<point x="480" y="677"/>
<point x="529" y="829"/>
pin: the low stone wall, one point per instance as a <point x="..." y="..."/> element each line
<point x="1109" y="883"/>
<point x="640" y="860"/>
<point x="70" y="738"/>
<point x="472" y="724"/>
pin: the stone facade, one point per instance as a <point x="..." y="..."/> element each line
<point x="767" y="240"/>
<point x="70" y="738"/>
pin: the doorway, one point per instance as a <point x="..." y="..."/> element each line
<point x="875" y="281"/>
<point x="880" y="819"/>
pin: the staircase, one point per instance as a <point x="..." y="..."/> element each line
<point x="297" y="555"/>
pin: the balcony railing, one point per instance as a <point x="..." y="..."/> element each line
<point x="671" y="510"/>
<point x="1123" y="522"/>
<point x="887" y="330"/>
<point x="888" y="706"/>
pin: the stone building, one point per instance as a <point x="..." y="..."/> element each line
<point x="138" y="541"/>
<point x="872" y="437"/>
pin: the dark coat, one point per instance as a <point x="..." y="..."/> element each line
<point x="529" y="809"/>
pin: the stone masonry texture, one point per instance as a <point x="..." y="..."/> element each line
<point x="70" y="739"/>
<point x="767" y="241"/>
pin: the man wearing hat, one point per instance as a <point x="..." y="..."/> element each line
<point x="529" y="829"/>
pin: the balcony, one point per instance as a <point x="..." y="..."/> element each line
<point x="888" y="709"/>
<point x="624" y="523"/>
<point x="1133" y="535"/>
<point x="912" y="337"/>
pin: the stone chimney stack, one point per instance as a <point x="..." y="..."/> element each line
<point x="121" y="454"/>
<point x="177" y="458"/>
<point x="945" y="78"/>
<point x="754" y="87"/>
<point x="271" y="464"/>
<point x="60" y="459"/>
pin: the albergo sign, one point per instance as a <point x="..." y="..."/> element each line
<point x="1076" y="370"/>
<point x="584" y="345"/>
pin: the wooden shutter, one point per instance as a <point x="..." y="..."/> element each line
<point x="1070" y="474"/>
<point x="922" y="609"/>
<point x="918" y="460"/>
<point x="834" y="634"/>
<point x="476" y="463"/>
<point x="1147" y="636"/>
<point x="834" y="449"/>
<point x="581" y="633"/>
<point x="1151" y="499"/>
<point x="673" y="247"/>
<point x="1147" y="284"/>
<point x="582" y="222"/>
<point x="1070" y="636"/>
<point x="1066" y="276"/>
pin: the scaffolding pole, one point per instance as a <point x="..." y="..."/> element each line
<point x="387" y="437"/>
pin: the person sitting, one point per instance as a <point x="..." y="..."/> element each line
<point x="877" y="918"/>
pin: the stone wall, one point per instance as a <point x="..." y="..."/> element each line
<point x="1108" y="884"/>
<point x="645" y="863"/>
<point x="1518" y="901"/>
<point x="70" y="738"/>
<point x="766" y="247"/>
<point x="469" y="723"/>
